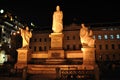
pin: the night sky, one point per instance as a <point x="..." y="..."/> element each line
<point x="40" y="11"/>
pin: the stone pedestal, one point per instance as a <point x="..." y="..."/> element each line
<point x="56" y="52"/>
<point x="24" y="55"/>
<point x="56" y="40"/>
<point x="56" y="46"/>
<point x="88" y="56"/>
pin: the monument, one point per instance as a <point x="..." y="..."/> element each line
<point x="24" y="51"/>
<point x="56" y="51"/>
<point x="87" y="42"/>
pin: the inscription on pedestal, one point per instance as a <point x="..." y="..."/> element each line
<point x="22" y="57"/>
<point x="55" y="55"/>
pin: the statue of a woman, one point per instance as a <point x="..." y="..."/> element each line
<point x="57" y="25"/>
<point x="26" y="35"/>
<point x="86" y="37"/>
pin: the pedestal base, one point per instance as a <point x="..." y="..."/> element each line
<point x="88" y="56"/>
<point x="56" y="40"/>
<point x="24" y="55"/>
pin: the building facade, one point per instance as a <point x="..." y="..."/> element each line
<point x="107" y="40"/>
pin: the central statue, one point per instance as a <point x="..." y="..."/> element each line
<point x="57" y="25"/>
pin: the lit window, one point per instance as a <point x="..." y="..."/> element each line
<point x="118" y="36"/>
<point x="111" y="36"/>
<point x="99" y="37"/>
<point x="105" y="37"/>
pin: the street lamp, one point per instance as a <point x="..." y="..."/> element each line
<point x="1" y="11"/>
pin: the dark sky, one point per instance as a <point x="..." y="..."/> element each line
<point x="40" y="11"/>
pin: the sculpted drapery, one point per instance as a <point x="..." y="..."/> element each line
<point x="26" y="35"/>
<point x="86" y="36"/>
<point x="57" y="25"/>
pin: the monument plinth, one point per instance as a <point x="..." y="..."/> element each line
<point x="56" y="40"/>
<point x="88" y="56"/>
<point x="56" y="50"/>
<point x="24" y="55"/>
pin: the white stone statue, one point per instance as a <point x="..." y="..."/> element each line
<point x="86" y="37"/>
<point x="57" y="25"/>
<point x="26" y="35"/>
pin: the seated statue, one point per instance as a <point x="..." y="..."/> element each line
<point x="86" y="37"/>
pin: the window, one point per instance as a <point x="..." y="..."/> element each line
<point x="68" y="47"/>
<point x="106" y="46"/>
<point x="67" y="37"/>
<point x="35" y="40"/>
<point x="118" y="36"/>
<point x="113" y="46"/>
<point x="99" y="37"/>
<point x="111" y="36"/>
<point x="100" y="47"/>
<point x="34" y="48"/>
<point x="45" y="48"/>
<point x="73" y="37"/>
<point x="105" y="36"/>
<point x="40" y="39"/>
<point x="118" y="46"/>
<point x="30" y="47"/>
<point x="95" y="46"/>
<point x="40" y="48"/>
<point x="74" y="47"/>
<point x="45" y="40"/>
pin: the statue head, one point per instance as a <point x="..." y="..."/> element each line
<point x="27" y="28"/>
<point x="58" y="8"/>
<point x="83" y="25"/>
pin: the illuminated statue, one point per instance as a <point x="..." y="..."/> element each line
<point x="57" y="25"/>
<point x="26" y="35"/>
<point x="86" y="37"/>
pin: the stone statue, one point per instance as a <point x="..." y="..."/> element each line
<point x="86" y="37"/>
<point x="26" y="35"/>
<point x="57" y="25"/>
